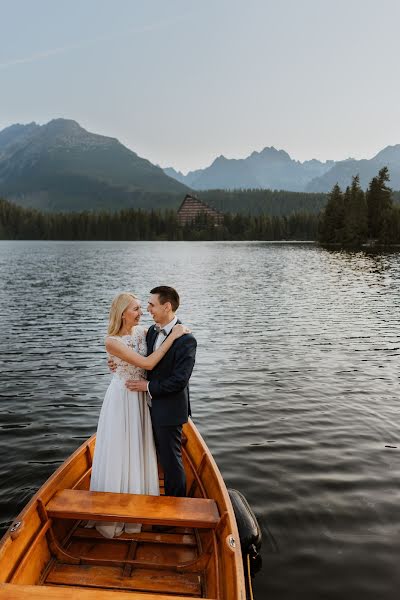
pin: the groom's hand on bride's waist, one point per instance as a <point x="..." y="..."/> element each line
<point x="137" y="385"/>
<point x="112" y="365"/>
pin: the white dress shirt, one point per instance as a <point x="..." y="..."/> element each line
<point x="161" y="336"/>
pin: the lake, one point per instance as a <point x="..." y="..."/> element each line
<point x="295" y="389"/>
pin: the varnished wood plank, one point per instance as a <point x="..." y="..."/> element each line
<point x="166" y="555"/>
<point x="13" y="551"/>
<point x="144" y="580"/>
<point x="32" y="569"/>
<point x="24" y="592"/>
<point x="131" y="554"/>
<point x="101" y="548"/>
<point x="143" y="536"/>
<point x="37" y="556"/>
<point x="83" y="482"/>
<point x="230" y="568"/>
<point x="133" y="508"/>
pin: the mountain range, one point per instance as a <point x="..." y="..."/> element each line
<point x="275" y="169"/>
<point x="61" y="166"/>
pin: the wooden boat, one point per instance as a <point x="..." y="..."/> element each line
<point x="47" y="553"/>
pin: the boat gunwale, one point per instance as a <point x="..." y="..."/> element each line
<point x="62" y="469"/>
<point x="235" y="555"/>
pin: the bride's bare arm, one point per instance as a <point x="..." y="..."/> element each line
<point x="118" y="348"/>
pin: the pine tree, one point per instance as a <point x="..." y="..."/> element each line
<point x="331" y="230"/>
<point x="355" y="215"/>
<point x="380" y="205"/>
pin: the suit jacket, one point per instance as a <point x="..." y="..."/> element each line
<point x="169" y="380"/>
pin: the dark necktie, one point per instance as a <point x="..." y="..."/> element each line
<point x="160" y="330"/>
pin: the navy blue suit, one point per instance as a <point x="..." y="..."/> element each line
<point x="169" y="390"/>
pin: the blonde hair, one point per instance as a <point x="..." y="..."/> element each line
<point x="118" y="307"/>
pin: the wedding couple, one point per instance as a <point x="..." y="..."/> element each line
<point x="139" y="413"/>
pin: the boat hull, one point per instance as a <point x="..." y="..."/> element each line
<point x="59" y="557"/>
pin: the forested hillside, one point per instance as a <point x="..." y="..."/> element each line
<point x="17" y="223"/>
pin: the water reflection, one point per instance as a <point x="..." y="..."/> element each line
<point x="364" y="261"/>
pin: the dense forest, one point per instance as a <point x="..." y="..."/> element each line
<point x="278" y="203"/>
<point x="355" y="217"/>
<point x="349" y="218"/>
<point x="76" y="194"/>
<point x="20" y="223"/>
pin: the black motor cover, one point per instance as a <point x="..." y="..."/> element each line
<point x="249" y="530"/>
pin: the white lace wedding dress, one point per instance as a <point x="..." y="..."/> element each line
<point x="125" y="457"/>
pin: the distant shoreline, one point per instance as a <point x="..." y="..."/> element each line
<point x="367" y="248"/>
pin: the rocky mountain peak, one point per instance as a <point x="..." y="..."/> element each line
<point x="12" y="135"/>
<point x="62" y="166"/>
<point x="220" y="160"/>
<point x="269" y="155"/>
<point x="63" y="134"/>
<point x="390" y="154"/>
<point x="56" y="126"/>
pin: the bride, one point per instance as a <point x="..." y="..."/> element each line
<point x="125" y="458"/>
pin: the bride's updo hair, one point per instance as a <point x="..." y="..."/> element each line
<point x="118" y="307"/>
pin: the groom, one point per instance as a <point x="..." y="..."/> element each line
<point x="167" y="386"/>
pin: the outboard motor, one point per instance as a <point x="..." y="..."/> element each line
<point x="250" y="537"/>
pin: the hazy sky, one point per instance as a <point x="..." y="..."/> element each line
<point x="181" y="82"/>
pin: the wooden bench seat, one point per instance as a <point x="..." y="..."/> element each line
<point x="134" y="508"/>
<point x="9" y="591"/>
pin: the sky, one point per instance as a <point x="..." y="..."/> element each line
<point x="181" y="82"/>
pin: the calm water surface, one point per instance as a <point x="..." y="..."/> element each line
<point x="296" y="389"/>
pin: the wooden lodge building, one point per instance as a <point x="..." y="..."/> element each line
<point x="191" y="207"/>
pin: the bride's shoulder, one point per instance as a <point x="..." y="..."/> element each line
<point x="112" y="338"/>
<point x="110" y="341"/>
<point x="139" y="330"/>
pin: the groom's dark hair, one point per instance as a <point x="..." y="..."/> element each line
<point x="167" y="294"/>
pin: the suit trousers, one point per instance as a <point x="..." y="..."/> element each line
<point x="168" y="439"/>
